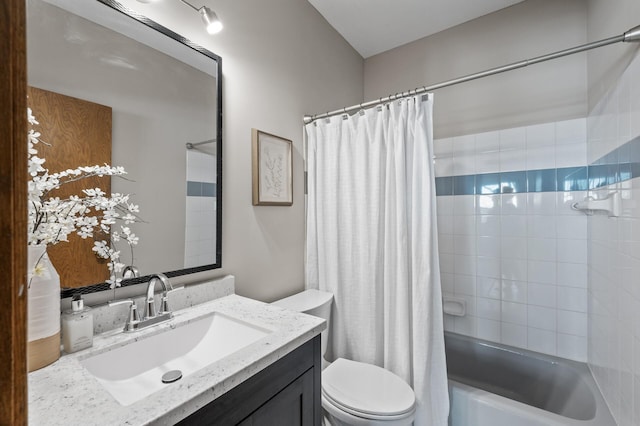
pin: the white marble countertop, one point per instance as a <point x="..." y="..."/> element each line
<point x="64" y="393"/>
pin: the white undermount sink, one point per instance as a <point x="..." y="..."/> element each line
<point x="134" y="371"/>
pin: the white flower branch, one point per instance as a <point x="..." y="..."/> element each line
<point x="52" y="219"/>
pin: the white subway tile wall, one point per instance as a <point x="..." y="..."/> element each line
<point x="518" y="259"/>
<point x="613" y="254"/>
<point x="200" y="232"/>
<point x="543" y="146"/>
<point x="535" y="273"/>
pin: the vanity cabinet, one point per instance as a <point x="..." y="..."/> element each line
<point x="287" y="393"/>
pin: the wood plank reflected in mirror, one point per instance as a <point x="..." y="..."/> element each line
<point x="74" y="132"/>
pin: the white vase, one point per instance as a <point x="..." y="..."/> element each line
<point x="43" y="325"/>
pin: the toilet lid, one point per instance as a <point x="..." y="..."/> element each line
<point x="367" y="389"/>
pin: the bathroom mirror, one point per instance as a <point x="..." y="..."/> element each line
<point x="164" y="96"/>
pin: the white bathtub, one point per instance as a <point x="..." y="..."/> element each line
<point x="498" y="385"/>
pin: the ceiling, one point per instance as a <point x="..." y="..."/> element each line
<point x="374" y="26"/>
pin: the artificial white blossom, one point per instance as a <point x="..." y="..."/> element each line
<point x="91" y="214"/>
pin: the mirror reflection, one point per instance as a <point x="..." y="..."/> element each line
<point x="159" y="106"/>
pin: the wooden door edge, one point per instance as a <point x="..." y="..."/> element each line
<point x="13" y="200"/>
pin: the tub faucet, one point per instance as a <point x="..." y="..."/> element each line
<point x="150" y="311"/>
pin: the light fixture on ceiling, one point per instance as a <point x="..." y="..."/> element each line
<point x="211" y="21"/>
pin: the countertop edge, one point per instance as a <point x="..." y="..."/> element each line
<point x="58" y="393"/>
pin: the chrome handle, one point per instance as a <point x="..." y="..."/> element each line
<point x="164" y="304"/>
<point x="133" y="317"/>
<point x="151" y="307"/>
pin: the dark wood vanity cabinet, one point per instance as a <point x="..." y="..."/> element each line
<point x="287" y="393"/>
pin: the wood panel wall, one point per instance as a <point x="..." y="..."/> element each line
<point x="77" y="133"/>
<point x="13" y="214"/>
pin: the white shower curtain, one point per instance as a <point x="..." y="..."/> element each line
<point x="372" y="242"/>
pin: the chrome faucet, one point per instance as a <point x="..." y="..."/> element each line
<point x="150" y="317"/>
<point x="150" y="311"/>
<point x="130" y="271"/>
<point x="133" y="319"/>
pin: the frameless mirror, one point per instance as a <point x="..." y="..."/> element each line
<point x="162" y="97"/>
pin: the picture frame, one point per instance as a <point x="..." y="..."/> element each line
<point x="272" y="169"/>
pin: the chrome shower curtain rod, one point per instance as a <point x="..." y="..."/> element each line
<point x="633" y="35"/>
<point x="191" y="145"/>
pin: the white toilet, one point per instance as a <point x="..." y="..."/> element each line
<point x="355" y="393"/>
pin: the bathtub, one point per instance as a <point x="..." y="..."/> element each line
<point x="497" y="385"/>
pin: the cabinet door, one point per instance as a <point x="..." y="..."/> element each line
<point x="287" y="393"/>
<point x="292" y="406"/>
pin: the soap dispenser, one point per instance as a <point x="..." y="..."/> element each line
<point x="77" y="326"/>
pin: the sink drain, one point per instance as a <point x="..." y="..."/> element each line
<point x="171" y="376"/>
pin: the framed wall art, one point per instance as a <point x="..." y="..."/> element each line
<point x="272" y="169"/>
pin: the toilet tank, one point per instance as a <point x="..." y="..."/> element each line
<point x="311" y="302"/>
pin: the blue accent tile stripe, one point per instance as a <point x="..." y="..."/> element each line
<point x="512" y="182"/>
<point x="542" y="180"/>
<point x="444" y="185"/>
<point x="194" y="189"/>
<point x="488" y="183"/>
<point x="201" y="189"/>
<point x="464" y="185"/>
<point x="597" y="174"/>
<point x="573" y="179"/>
<point x="208" y="189"/>
<point x="623" y="163"/>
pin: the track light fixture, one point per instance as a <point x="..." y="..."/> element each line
<point x="211" y="21"/>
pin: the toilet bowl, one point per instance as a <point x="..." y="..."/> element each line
<point x="354" y="393"/>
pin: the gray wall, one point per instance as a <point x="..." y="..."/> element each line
<point x="545" y="92"/>
<point x="607" y="19"/>
<point x="280" y="60"/>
